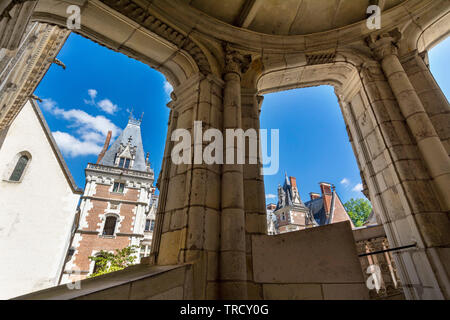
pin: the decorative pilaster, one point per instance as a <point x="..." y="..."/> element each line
<point x="436" y="105"/>
<point x="428" y="142"/>
<point x="233" y="266"/>
<point x="254" y="192"/>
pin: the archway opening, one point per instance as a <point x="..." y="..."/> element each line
<point x="96" y="125"/>
<point x="319" y="180"/>
<point x="314" y="149"/>
<point x="107" y="113"/>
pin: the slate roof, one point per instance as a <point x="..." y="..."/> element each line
<point x="289" y="195"/>
<point x="317" y="209"/>
<point x="133" y="131"/>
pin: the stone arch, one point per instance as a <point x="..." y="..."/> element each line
<point x="422" y="35"/>
<point x="384" y="147"/>
<point x="139" y="35"/>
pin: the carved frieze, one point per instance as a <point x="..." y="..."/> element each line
<point x="138" y="13"/>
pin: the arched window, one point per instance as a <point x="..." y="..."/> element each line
<point x="110" y="226"/>
<point x="19" y="168"/>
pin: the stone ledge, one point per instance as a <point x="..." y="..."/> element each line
<point x="101" y="283"/>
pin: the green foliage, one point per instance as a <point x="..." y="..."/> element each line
<point x="358" y="210"/>
<point x="107" y="262"/>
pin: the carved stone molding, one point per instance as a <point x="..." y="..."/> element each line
<point x="384" y="44"/>
<point x="44" y="41"/>
<point x="139" y="13"/>
<point x="236" y="62"/>
<point x="14" y="18"/>
<point x="314" y="59"/>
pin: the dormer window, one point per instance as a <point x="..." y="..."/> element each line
<point x="124" y="162"/>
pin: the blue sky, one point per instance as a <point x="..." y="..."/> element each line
<point x="99" y="87"/>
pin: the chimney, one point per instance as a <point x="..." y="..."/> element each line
<point x="325" y="188"/>
<point x="105" y="146"/>
<point x="314" y="195"/>
<point x="293" y="181"/>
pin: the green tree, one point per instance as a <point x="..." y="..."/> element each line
<point x="358" y="210"/>
<point x="106" y="262"/>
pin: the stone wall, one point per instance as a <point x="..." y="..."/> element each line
<point x="139" y="282"/>
<point x="318" y="263"/>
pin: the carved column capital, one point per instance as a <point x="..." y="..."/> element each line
<point x="236" y="62"/>
<point x="384" y="44"/>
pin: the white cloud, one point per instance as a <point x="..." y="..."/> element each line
<point x="271" y="196"/>
<point x="90" y="130"/>
<point x="358" y="187"/>
<point x="92" y="93"/>
<point x="107" y="106"/>
<point x="86" y="122"/>
<point x="345" y="182"/>
<point x="168" y="88"/>
<point x="74" y="147"/>
<point x="48" y="104"/>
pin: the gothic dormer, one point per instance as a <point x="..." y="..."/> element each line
<point x="127" y="150"/>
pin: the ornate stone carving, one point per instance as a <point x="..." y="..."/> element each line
<point x="384" y="44"/>
<point x="390" y="284"/>
<point x="14" y="17"/>
<point x="141" y="15"/>
<point x="236" y="62"/>
<point x="33" y="67"/>
<point x="314" y="59"/>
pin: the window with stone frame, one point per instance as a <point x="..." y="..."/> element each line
<point x="152" y="225"/>
<point x="118" y="187"/>
<point x="19" y="169"/>
<point x="110" y="226"/>
<point x="124" y="162"/>
<point x="147" y="225"/>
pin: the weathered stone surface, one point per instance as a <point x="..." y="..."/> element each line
<point x="278" y="259"/>
<point x="292" y="292"/>
<point x="345" y="291"/>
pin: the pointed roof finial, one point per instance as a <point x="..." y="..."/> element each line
<point x="130" y="114"/>
<point x="133" y="120"/>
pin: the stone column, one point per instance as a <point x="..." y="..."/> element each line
<point x="188" y="225"/>
<point x="431" y="148"/>
<point x="433" y="99"/>
<point x="254" y="192"/>
<point x="400" y="186"/>
<point x="233" y="266"/>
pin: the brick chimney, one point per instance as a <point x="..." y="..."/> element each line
<point x="314" y="195"/>
<point x="325" y="188"/>
<point x="293" y="181"/>
<point x="105" y="146"/>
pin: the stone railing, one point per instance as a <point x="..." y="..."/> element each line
<point x="373" y="239"/>
<point x="120" y="171"/>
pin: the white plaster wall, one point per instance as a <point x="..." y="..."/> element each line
<point x="36" y="215"/>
